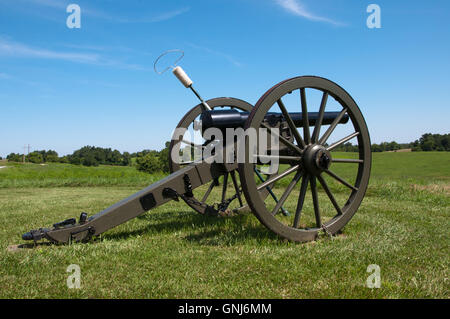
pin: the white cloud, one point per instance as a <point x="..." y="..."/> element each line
<point x="51" y="3"/>
<point x="58" y="4"/>
<point x="298" y="9"/>
<point x="21" y="50"/>
<point x="218" y="53"/>
<point x="166" y="15"/>
<point x="15" y="49"/>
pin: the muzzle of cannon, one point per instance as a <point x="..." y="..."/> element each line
<point x="308" y="140"/>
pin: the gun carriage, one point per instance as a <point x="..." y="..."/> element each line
<point x="303" y="150"/>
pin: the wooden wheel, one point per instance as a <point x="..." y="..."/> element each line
<point x="337" y="180"/>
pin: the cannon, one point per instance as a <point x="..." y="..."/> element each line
<point x="305" y="159"/>
<point x="223" y="119"/>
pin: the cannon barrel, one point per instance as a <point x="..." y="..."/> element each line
<point x="223" y="119"/>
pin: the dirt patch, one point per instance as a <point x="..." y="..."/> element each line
<point x="19" y="247"/>
<point x="403" y="150"/>
<point x="14" y="248"/>
<point x="432" y="188"/>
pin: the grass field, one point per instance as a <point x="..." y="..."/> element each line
<point x="172" y="252"/>
<point x="18" y="175"/>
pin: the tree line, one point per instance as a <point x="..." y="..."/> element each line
<point x="36" y="157"/>
<point x="152" y="161"/>
<point x="95" y="156"/>
<point x="432" y="142"/>
<point x="428" y="142"/>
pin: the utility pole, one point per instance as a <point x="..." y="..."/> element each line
<point x="25" y="147"/>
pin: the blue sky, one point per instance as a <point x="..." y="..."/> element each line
<point x="64" y="88"/>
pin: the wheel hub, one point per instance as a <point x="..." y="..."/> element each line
<point x="316" y="159"/>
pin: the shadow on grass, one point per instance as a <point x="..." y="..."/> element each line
<point x="219" y="237"/>
<point x="196" y="228"/>
<point x="218" y="230"/>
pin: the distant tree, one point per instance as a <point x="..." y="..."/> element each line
<point x="389" y="146"/>
<point x="393" y="146"/>
<point x="50" y="156"/>
<point x="89" y="160"/>
<point x="432" y="142"/>
<point x="149" y="163"/>
<point x="152" y="161"/>
<point x="347" y="147"/>
<point x="376" y="148"/>
<point x="13" y="157"/>
<point x="427" y="146"/>
<point x="104" y="156"/>
<point x="116" y="158"/>
<point x="52" y="159"/>
<point x="164" y="158"/>
<point x="126" y="159"/>
<point x="64" y="159"/>
<point x="35" y="157"/>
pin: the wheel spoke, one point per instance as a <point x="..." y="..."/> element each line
<point x="315" y="201"/>
<point x="224" y="186"/>
<point x="285" y="212"/>
<point x="191" y="143"/>
<point x="340" y="180"/>
<point x="278" y="177"/>
<point x="341" y="141"/>
<point x="330" y="194"/>
<point x="347" y="160"/>
<point x="333" y="125"/>
<point x="301" y="200"/>
<point x="211" y="186"/>
<point x="306" y="132"/>
<point x="186" y="163"/>
<point x="287" y="192"/>
<point x="291" y="124"/>
<point x="280" y="157"/>
<point x="282" y="139"/>
<point x="316" y="131"/>
<point x="236" y="187"/>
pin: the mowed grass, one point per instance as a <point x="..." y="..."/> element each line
<point x="172" y="252"/>
<point x="21" y="175"/>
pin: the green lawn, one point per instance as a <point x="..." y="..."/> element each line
<point x="20" y="175"/>
<point x="172" y="252"/>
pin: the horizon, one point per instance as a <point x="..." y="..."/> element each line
<point x="158" y="150"/>
<point x="62" y="89"/>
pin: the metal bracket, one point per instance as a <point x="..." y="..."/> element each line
<point x="70" y="221"/>
<point x="170" y="193"/>
<point x="90" y="230"/>
<point x="187" y="186"/>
